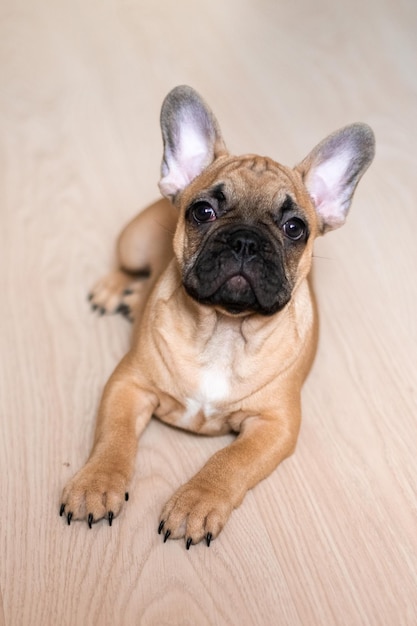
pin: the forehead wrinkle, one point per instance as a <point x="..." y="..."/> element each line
<point x="272" y="185"/>
<point x="236" y="174"/>
<point x="271" y="170"/>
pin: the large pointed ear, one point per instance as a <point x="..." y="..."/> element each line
<point x="333" y="169"/>
<point x="192" y="139"/>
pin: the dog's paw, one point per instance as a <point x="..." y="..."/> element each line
<point x="130" y="300"/>
<point x="93" y="494"/>
<point x="195" y="512"/>
<point x="113" y="293"/>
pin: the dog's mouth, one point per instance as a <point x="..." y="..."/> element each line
<point x="235" y="295"/>
<point x="238" y="293"/>
<point x="238" y="282"/>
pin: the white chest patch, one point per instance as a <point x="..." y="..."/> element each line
<point x="214" y="387"/>
<point x="214" y="384"/>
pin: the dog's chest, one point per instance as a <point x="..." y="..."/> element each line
<point x="211" y="390"/>
<point x="211" y="393"/>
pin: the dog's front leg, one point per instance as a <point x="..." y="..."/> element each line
<point x="201" y="507"/>
<point x="99" y="489"/>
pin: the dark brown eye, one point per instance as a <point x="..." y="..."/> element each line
<point x="294" y="229"/>
<point x="203" y="212"/>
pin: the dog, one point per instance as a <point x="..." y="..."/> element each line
<point x="215" y="277"/>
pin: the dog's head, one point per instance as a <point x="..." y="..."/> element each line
<point x="247" y="224"/>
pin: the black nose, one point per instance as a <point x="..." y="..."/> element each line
<point x="244" y="243"/>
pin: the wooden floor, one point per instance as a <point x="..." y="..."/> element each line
<point x="331" y="537"/>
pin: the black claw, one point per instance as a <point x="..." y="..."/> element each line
<point x="126" y="496"/>
<point x="124" y="309"/>
<point x="94" y="307"/>
<point x="166" y="537"/>
<point x="161" y="526"/>
<point x="61" y="510"/>
<point x="90" y="520"/>
<point x="102" y="311"/>
<point x="69" y="518"/>
<point x="209" y="537"/>
<point x="189" y="542"/>
<point x="90" y="297"/>
<point x="110" y="517"/>
<point x="128" y="292"/>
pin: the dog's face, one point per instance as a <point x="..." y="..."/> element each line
<point x="247" y="224"/>
<point x="244" y="237"/>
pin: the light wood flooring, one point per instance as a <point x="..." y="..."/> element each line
<point x="331" y="537"/>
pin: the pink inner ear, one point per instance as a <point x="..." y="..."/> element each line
<point x="317" y="190"/>
<point x="328" y="205"/>
<point x="193" y="153"/>
<point x="181" y="173"/>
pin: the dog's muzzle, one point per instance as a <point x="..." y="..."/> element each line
<point x="240" y="269"/>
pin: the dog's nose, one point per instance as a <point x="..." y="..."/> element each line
<point x="244" y="243"/>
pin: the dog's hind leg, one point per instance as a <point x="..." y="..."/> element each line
<point x="144" y="249"/>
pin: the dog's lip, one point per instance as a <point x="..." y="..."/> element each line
<point x="237" y="281"/>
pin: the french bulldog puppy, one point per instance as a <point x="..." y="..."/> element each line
<point x="215" y="276"/>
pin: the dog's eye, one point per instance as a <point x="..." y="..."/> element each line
<point x="203" y="212"/>
<point x="294" y="229"/>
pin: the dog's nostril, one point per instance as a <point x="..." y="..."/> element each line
<point x="244" y="245"/>
<point x="237" y="245"/>
<point x="251" y="248"/>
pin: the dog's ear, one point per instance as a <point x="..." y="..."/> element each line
<point x="191" y="136"/>
<point x="333" y="169"/>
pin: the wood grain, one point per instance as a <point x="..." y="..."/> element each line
<point x="330" y="538"/>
